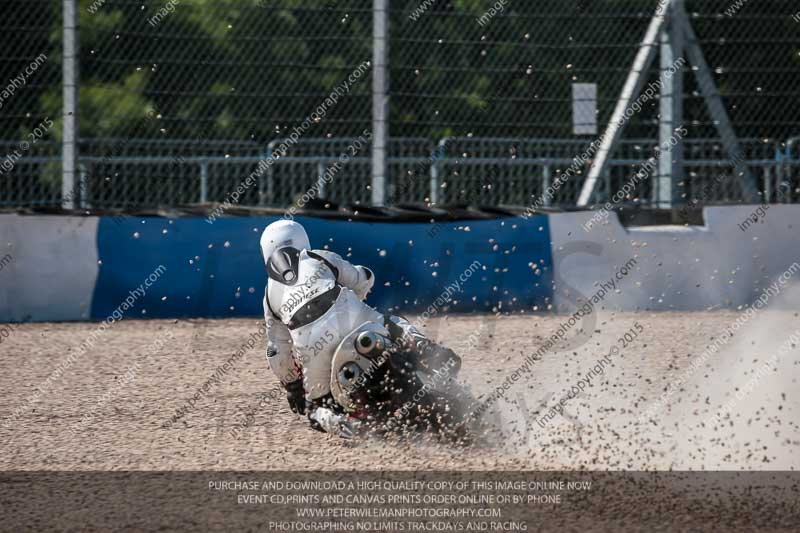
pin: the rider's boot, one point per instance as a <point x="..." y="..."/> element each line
<point x="433" y="355"/>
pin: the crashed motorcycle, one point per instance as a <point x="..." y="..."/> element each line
<point x="388" y="386"/>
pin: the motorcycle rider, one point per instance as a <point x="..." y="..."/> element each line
<point x="313" y="299"/>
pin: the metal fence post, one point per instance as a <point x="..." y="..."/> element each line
<point x="321" y="169"/>
<point x="433" y="188"/>
<point x="203" y="182"/>
<point x="380" y="99"/>
<point x="670" y="161"/>
<point x="436" y="158"/>
<point x="767" y="185"/>
<point x="69" y="147"/>
<point x="84" y="188"/>
<point x="270" y="195"/>
<point x="545" y="184"/>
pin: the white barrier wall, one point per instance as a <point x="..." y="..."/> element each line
<point x="677" y="267"/>
<point x="52" y="268"/>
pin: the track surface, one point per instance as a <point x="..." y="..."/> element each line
<point x="599" y="429"/>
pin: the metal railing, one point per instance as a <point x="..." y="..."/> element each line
<point x="454" y="170"/>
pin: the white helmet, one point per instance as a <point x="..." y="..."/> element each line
<point x="283" y="233"/>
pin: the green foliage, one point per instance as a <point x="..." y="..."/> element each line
<point x="252" y="69"/>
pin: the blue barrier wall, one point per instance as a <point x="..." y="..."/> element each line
<point x="81" y="267"/>
<point x="216" y="270"/>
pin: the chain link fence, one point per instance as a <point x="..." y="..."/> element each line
<point x="30" y="94"/>
<point x="181" y="99"/>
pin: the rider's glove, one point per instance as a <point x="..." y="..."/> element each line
<point x="323" y="419"/>
<point x="296" y="396"/>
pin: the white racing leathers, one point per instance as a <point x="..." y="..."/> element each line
<point x="312" y="301"/>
